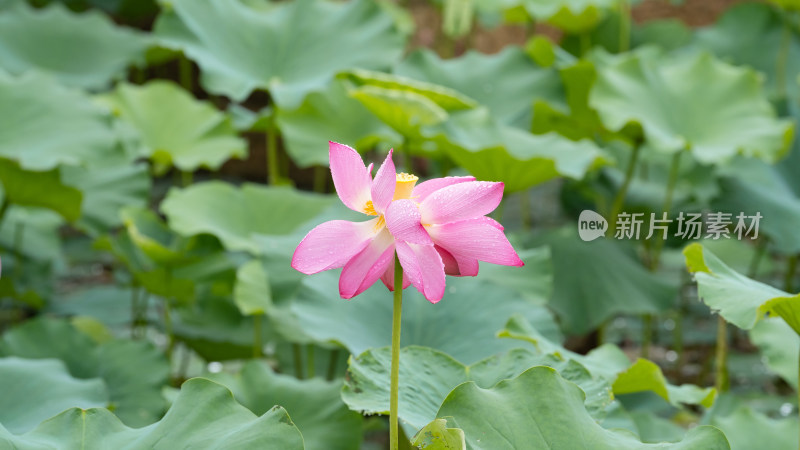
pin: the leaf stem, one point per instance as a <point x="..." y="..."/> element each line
<point x="298" y="361"/>
<point x="721" y="379"/>
<point x="788" y="279"/>
<point x="310" y="372"/>
<point x="619" y="199"/>
<point x="782" y="62"/>
<point x="624" y="26"/>
<point x="396" y="313"/>
<point x="671" y="182"/>
<point x="273" y="169"/>
<point x="334" y="360"/>
<point x="257" y="326"/>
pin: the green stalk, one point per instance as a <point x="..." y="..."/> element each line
<point x="298" y="361"/>
<point x="134" y="309"/>
<point x="791" y="268"/>
<point x="257" y="322"/>
<point x="19" y="233"/>
<point x="721" y="379"/>
<point x="586" y="43"/>
<point x="782" y="63"/>
<point x="4" y="208"/>
<point x="310" y="361"/>
<point x="525" y="209"/>
<point x="395" y="386"/>
<point x="647" y="320"/>
<point x="647" y="334"/>
<point x="168" y="330"/>
<point x="619" y="199"/>
<point x="320" y="179"/>
<point x="186" y="178"/>
<point x="185" y="72"/>
<point x="671" y="182"/>
<point x="624" y="26"/>
<point x="273" y="168"/>
<point x="332" y="364"/>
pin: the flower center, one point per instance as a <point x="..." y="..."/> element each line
<point x="404" y="185"/>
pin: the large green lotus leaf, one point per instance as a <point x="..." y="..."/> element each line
<point x="46" y="124"/>
<point x="204" y="415"/>
<point x="692" y="102"/>
<point x="596" y="280"/>
<point x="289" y="49"/>
<point x="506" y="83"/>
<point x="427" y="377"/>
<point x="133" y="371"/>
<point x="748" y="429"/>
<point x="404" y="111"/>
<point x="779" y="346"/>
<point x="493" y="151"/>
<point x="40" y="189"/>
<point x="35" y="232"/>
<point x="442" y="96"/>
<point x="330" y="115"/>
<point x="315" y="405"/>
<point x="572" y="16"/>
<point x="152" y="236"/>
<point x="540" y="409"/>
<point x="436" y="436"/>
<point x="752" y="34"/>
<point x="236" y="214"/>
<point x="81" y="50"/>
<point x="472" y="309"/>
<point x="609" y="363"/>
<point x="176" y="129"/>
<point x="252" y="293"/>
<point x="738" y="299"/>
<point x="752" y="187"/>
<point x="106" y="189"/>
<point x="35" y="390"/>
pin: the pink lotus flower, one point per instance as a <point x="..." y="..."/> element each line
<point x="436" y="228"/>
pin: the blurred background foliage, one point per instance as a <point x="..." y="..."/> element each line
<point x="160" y="161"/>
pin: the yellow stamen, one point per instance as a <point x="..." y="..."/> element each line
<point x="404" y="185"/>
<point x="380" y="224"/>
<point x="369" y="209"/>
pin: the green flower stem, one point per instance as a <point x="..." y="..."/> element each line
<point x="257" y="326"/>
<point x="788" y="279"/>
<point x="334" y="360"/>
<point x="185" y="72"/>
<point x="619" y="199"/>
<point x="298" y="361"/>
<point x="134" y="309"/>
<point x="396" y="312"/>
<point x="320" y="179"/>
<point x="168" y="330"/>
<point x="273" y="167"/>
<point x="647" y="320"/>
<point x="782" y="63"/>
<point x="624" y="26"/>
<point x="721" y="379"/>
<point x="586" y="43"/>
<point x="310" y="372"/>
<point x="671" y="182"/>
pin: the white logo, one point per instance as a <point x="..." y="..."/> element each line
<point x="591" y="225"/>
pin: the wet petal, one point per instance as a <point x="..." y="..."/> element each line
<point x="458" y="266"/>
<point x="383" y="185"/>
<point x="350" y="176"/>
<point x="367" y="266"/>
<point x="461" y="201"/>
<point x="331" y="244"/>
<point x="479" y="239"/>
<point x="424" y="268"/>
<point x="403" y="221"/>
<point x="426" y="188"/>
